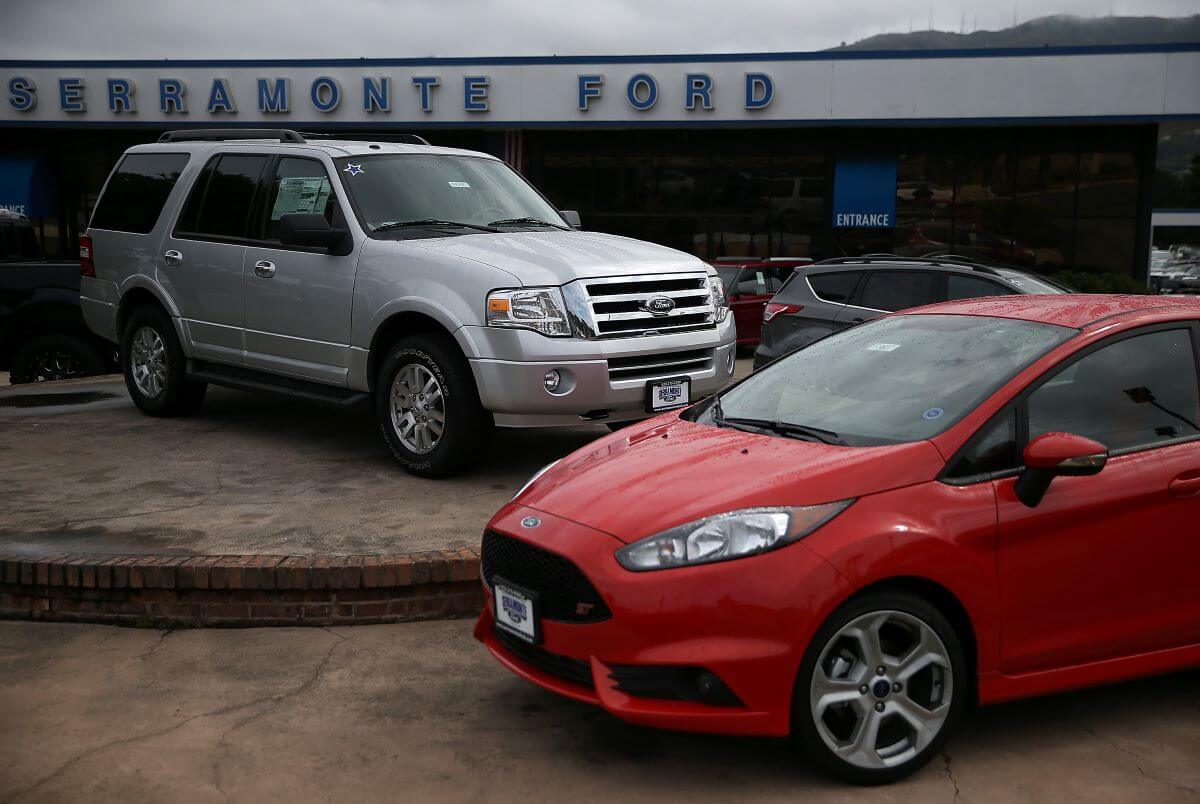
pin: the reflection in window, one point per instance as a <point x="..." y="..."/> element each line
<point x="1136" y="392"/>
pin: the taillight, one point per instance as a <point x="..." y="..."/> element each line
<point x="87" y="261"/>
<point x="774" y="308"/>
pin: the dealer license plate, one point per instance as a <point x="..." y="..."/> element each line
<point x="668" y="394"/>
<point x="515" y="610"/>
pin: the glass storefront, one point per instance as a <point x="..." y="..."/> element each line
<point x="1071" y="200"/>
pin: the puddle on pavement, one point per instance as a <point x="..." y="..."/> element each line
<point x="54" y="400"/>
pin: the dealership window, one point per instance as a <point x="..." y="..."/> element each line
<point x="137" y="192"/>
<point x="713" y="194"/>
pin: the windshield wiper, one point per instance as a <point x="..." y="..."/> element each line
<point x="788" y="429"/>
<point x="431" y="222"/>
<point x="529" y="221"/>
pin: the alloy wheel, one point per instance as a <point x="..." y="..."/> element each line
<point x="881" y="691"/>
<point x="56" y="364"/>
<point x="418" y="408"/>
<point x="148" y="361"/>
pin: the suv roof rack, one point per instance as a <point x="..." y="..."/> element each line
<point x="372" y="136"/>
<point x="219" y="134"/>
<point x="948" y="261"/>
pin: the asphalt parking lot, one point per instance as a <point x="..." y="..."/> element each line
<point x="420" y="712"/>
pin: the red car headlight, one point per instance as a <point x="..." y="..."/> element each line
<point x="723" y="537"/>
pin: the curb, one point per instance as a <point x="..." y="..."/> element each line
<point x="240" y="590"/>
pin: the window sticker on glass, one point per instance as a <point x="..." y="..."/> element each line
<point x="459" y="184"/>
<point x="300" y="194"/>
<point x="353" y="170"/>
<point x="932" y="413"/>
<point x="883" y="347"/>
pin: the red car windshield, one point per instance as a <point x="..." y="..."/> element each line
<point x="895" y="380"/>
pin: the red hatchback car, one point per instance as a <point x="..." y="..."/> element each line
<point x="749" y="284"/>
<point x="964" y="503"/>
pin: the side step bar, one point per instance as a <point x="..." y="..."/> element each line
<point x="244" y="379"/>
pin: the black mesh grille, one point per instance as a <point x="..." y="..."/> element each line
<point x="565" y="593"/>
<point x="576" y="671"/>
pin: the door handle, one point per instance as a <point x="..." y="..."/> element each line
<point x="173" y="257"/>
<point x="1185" y="485"/>
<point x="264" y="268"/>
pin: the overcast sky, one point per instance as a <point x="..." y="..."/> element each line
<point x="198" y="29"/>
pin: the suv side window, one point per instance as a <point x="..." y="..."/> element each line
<point x="899" y="290"/>
<point x="299" y="185"/>
<point x="1137" y="392"/>
<point x="836" y="288"/>
<point x="137" y="192"/>
<point x="221" y="199"/>
<point x="971" y="287"/>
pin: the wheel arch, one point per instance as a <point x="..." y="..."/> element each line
<point x="396" y="326"/>
<point x="138" y="295"/>
<point x="945" y="601"/>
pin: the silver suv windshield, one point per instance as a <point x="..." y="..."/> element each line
<point x="437" y="195"/>
<point x="895" y="380"/>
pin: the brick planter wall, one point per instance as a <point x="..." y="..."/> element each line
<point x="240" y="590"/>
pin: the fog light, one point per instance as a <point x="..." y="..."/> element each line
<point x="730" y="359"/>
<point x="552" y="380"/>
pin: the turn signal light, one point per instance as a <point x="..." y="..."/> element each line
<point x="773" y="309"/>
<point x="87" y="263"/>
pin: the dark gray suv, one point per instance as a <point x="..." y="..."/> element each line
<point x="839" y="293"/>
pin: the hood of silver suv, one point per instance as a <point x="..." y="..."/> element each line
<point x="558" y="257"/>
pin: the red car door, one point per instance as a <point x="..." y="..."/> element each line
<point x="747" y="298"/>
<point x="1105" y="566"/>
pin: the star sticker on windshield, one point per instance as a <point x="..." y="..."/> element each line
<point x="353" y="170"/>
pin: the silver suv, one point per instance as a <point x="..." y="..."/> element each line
<point x="437" y="281"/>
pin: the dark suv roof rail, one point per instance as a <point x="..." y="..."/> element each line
<point x="949" y="261"/>
<point x="371" y="136"/>
<point x="219" y="134"/>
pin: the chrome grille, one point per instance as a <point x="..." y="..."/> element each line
<point x="664" y="364"/>
<point x="617" y="307"/>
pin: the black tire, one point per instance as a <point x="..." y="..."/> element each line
<point x="55" y="356"/>
<point x="466" y="428"/>
<point x="804" y="726"/>
<point x="178" y="395"/>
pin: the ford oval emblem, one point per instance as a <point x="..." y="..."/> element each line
<point x="531" y="522"/>
<point x="658" y="305"/>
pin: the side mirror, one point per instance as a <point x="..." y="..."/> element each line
<point x="571" y="217"/>
<point x="1057" y="455"/>
<point x="307" y="229"/>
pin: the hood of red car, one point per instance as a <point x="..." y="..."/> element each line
<point x="651" y="477"/>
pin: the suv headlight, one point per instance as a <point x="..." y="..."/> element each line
<point x="716" y="289"/>
<point x="539" y="309"/>
<point x="727" y="536"/>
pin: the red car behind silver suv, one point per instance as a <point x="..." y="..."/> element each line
<point x="964" y="503"/>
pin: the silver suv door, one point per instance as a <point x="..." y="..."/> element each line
<point x="200" y="261"/>
<point x="298" y="300"/>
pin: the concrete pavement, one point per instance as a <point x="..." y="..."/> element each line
<point x="84" y="471"/>
<point x="420" y="712"/>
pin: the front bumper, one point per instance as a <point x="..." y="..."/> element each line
<point x="747" y="621"/>
<point x="511" y="366"/>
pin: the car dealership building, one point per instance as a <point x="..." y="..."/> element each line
<point x="1047" y="158"/>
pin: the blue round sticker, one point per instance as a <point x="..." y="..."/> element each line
<point x="932" y="413"/>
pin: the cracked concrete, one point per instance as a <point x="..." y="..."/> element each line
<point x="420" y="712"/>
